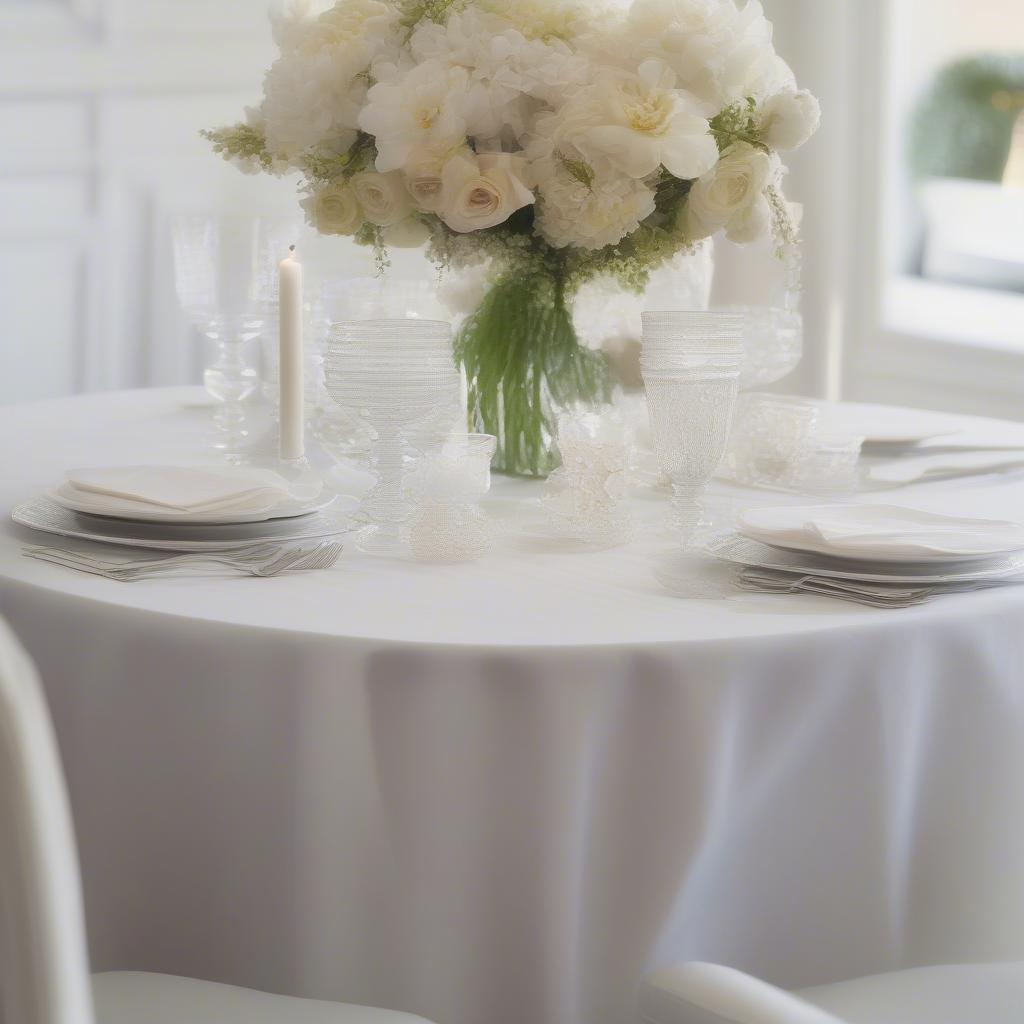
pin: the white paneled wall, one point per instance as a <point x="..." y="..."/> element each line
<point x="100" y="106"/>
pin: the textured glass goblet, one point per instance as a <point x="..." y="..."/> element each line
<point x="399" y="377"/>
<point x="691" y="366"/>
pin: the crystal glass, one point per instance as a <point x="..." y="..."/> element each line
<point x="831" y="467"/>
<point x="585" y="498"/>
<point x="774" y="342"/>
<point x="451" y="478"/>
<point x="399" y="378"/>
<point x="216" y="279"/>
<point x="772" y="438"/>
<point x="691" y="365"/>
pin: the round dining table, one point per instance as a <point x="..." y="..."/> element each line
<point x="499" y="793"/>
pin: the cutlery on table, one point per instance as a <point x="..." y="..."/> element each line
<point x="262" y="561"/>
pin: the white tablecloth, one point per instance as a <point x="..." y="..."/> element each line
<point x="496" y="794"/>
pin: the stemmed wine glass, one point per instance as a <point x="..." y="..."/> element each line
<point x="399" y="377"/>
<point x="691" y="366"/>
<point x="215" y="261"/>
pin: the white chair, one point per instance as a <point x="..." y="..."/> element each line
<point x="696" y="993"/>
<point x="44" y="976"/>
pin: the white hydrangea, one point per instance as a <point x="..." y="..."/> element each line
<point x="585" y="208"/>
<point x="507" y="72"/>
<point x="721" y="52"/>
<point x="315" y="90"/>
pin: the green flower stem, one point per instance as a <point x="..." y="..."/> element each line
<point x="524" y="362"/>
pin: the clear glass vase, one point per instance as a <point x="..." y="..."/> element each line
<point x="537" y="345"/>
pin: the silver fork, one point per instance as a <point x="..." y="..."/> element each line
<point x="255" y="562"/>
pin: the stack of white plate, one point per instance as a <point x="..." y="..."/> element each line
<point x="182" y="508"/>
<point x="885" y="555"/>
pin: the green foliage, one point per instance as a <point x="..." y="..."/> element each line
<point x="963" y="127"/>
<point x="415" y="11"/>
<point x="580" y="170"/>
<point x="239" y="142"/>
<point x="737" y="123"/>
<point x="523" y="361"/>
<point x="324" y="166"/>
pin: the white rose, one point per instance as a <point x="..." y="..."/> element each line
<point x="382" y="196"/>
<point x="333" y="210"/>
<point x="423" y="176"/>
<point x="731" y="196"/>
<point x="789" y="119"/>
<point x="483" y="191"/>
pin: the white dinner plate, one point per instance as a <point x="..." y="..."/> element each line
<point x="881" y="533"/>
<point x="110" y="507"/>
<point x="884" y="426"/>
<point x="47" y="517"/>
<point x="751" y="553"/>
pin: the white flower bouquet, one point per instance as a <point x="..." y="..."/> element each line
<point x="553" y="140"/>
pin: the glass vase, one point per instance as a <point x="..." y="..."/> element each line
<point x="538" y="344"/>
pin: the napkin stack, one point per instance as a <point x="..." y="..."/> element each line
<point x="188" y="490"/>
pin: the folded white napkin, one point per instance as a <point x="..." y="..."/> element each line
<point x="185" y="489"/>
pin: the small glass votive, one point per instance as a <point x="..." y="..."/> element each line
<point x="447" y="524"/>
<point x="832" y="466"/>
<point x="585" y="498"/>
<point x="772" y="437"/>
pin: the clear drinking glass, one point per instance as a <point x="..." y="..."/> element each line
<point x="585" y="498"/>
<point x="774" y="342"/>
<point x="772" y="438"/>
<point x="399" y="378"/>
<point x="214" y="264"/>
<point x="448" y="484"/>
<point x="691" y="365"/>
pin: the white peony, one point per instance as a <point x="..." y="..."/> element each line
<point x="788" y="119"/>
<point x="579" y="206"/>
<point x="333" y="210"/>
<point x="421" y="107"/>
<point x="732" y="196"/>
<point x="641" y="123"/>
<point x="383" y="197"/>
<point x="483" y="191"/>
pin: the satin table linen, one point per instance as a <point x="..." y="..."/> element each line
<point x="499" y="793"/>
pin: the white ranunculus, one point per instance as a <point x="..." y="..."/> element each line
<point x="410" y="233"/>
<point x="383" y="197"/>
<point x="642" y="122"/>
<point x="788" y="119"/>
<point x="483" y="191"/>
<point x="333" y="210"/>
<point x="589" y="214"/>
<point x="731" y="196"/>
<point x="424" y="106"/>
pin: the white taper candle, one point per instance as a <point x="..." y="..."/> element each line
<point x="291" y="362"/>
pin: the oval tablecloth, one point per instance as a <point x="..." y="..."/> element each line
<point x="498" y="793"/>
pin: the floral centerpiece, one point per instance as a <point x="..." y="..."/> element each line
<point x="553" y="141"/>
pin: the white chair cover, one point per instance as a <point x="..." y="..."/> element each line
<point x="44" y="976"/>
